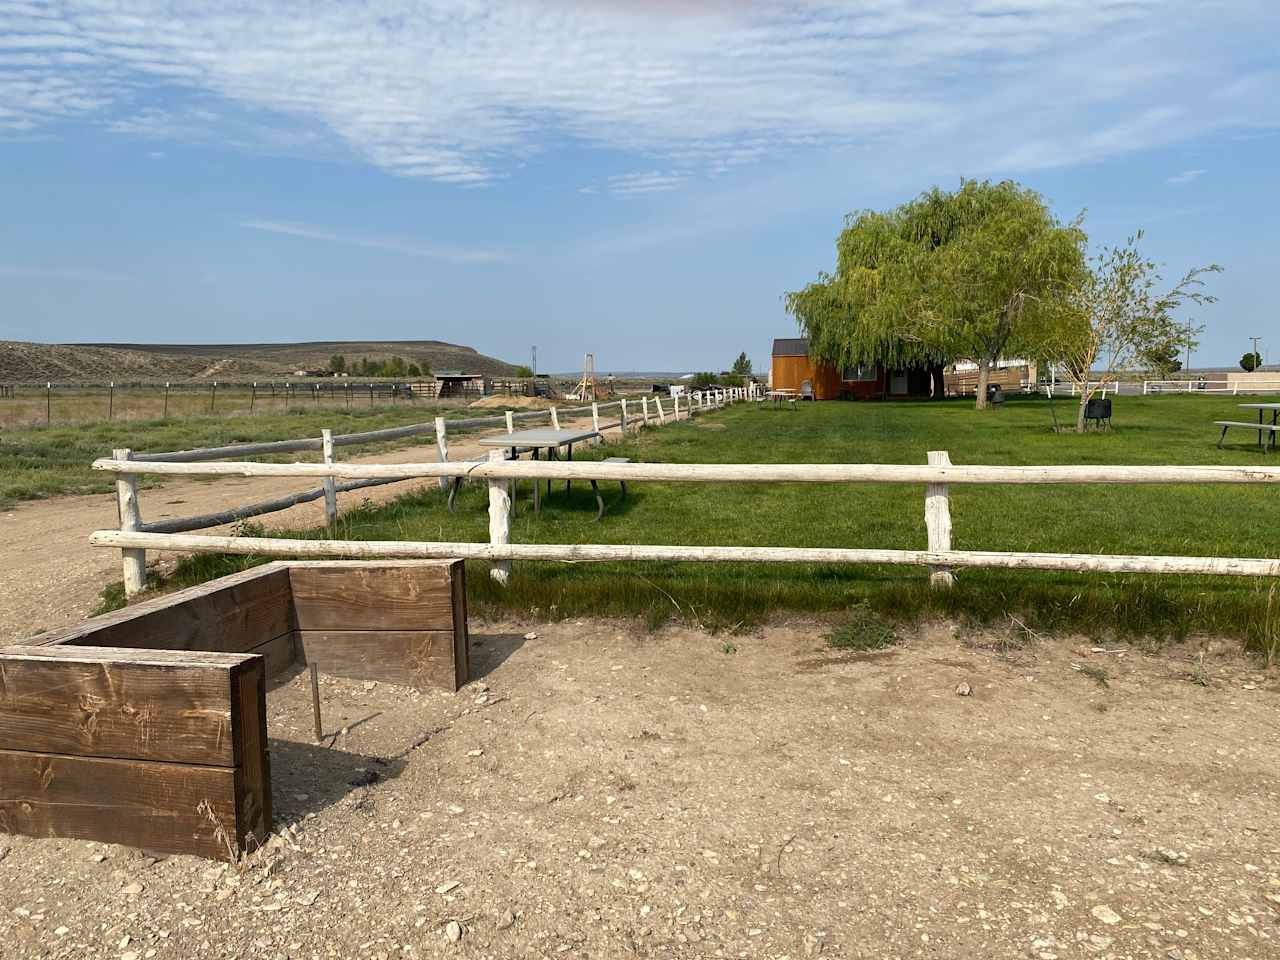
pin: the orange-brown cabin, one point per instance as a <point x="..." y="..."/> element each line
<point x="791" y="367"/>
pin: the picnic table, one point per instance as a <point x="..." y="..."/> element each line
<point x="1260" y="426"/>
<point x="779" y="395"/>
<point x="537" y="439"/>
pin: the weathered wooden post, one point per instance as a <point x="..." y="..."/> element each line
<point x="330" y="484"/>
<point x="623" y="425"/>
<point x="644" y="402"/>
<point x="442" y="450"/>
<point x="555" y="419"/>
<point x="111" y="399"/>
<point x="134" y="561"/>
<point x="675" y="402"/>
<point x="662" y="416"/>
<point x="595" y="421"/>
<point x="511" y="425"/>
<point x="499" y="519"/>
<point x="937" y="519"/>
<point x="166" y="401"/>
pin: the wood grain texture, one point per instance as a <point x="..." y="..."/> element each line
<point x="243" y="609"/>
<point x="102" y="702"/>
<point x="253" y="771"/>
<point x="278" y="653"/>
<point x="175" y="808"/>
<point x="372" y="597"/>
<point x="461" y="633"/>
<point x="425" y="659"/>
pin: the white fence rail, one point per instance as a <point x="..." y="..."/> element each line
<point x="631" y="412"/>
<point x="1233" y="387"/>
<point x="937" y="477"/>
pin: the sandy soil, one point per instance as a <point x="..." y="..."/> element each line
<point x="601" y="792"/>
<point x="52" y="577"/>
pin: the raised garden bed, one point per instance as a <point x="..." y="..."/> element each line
<point x="147" y="726"/>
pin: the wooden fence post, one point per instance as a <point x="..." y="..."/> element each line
<point x="937" y="518"/>
<point x="644" y="401"/>
<point x="595" y="421"/>
<point x="134" y="561"/>
<point x="675" y="402"/>
<point x="330" y="485"/>
<point x="555" y="419"/>
<point x="511" y="425"/>
<point x="623" y="424"/>
<point x="499" y="520"/>
<point x="442" y="449"/>
<point x="662" y="417"/>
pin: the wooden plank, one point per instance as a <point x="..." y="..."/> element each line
<point x="278" y="653"/>
<point x="171" y="807"/>
<point x="96" y="702"/>
<point x="232" y="616"/>
<point x="253" y="771"/>
<point x="372" y="597"/>
<point x="138" y="611"/>
<point x="416" y="658"/>
<point x="461" y="632"/>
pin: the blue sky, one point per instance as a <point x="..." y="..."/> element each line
<point x="638" y="179"/>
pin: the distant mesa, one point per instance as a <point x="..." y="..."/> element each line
<point x="22" y="362"/>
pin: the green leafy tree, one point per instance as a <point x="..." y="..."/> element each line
<point x="949" y="275"/>
<point x="524" y="373"/>
<point x="414" y="370"/>
<point x="1250" y="362"/>
<point x="1115" y="318"/>
<point x="337" y="363"/>
<point x="703" y="380"/>
<point x="742" y="366"/>
<point x="394" y="367"/>
<point x="1162" y="361"/>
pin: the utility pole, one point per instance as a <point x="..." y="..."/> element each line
<point x="534" y="364"/>
<point x="1257" y="357"/>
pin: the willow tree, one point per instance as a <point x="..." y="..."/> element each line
<point x="949" y="275"/>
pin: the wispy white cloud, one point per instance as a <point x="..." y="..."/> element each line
<point x="410" y="248"/>
<point x="632" y="184"/>
<point x="1186" y="176"/>
<point x="464" y="91"/>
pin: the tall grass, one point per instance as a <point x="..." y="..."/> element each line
<point x="1165" y="519"/>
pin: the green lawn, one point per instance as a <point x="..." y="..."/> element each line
<point x="1194" y="520"/>
<point x="39" y="462"/>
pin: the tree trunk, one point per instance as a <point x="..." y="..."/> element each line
<point x="1084" y="405"/>
<point x="984" y="375"/>
<point x="939" y="388"/>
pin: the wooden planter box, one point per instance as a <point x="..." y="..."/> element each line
<point x="147" y="726"/>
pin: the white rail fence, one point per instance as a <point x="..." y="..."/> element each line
<point x="1233" y="387"/>
<point x="632" y="413"/>
<point x="937" y="477"/>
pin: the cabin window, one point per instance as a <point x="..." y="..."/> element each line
<point x="862" y="371"/>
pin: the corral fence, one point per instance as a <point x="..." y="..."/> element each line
<point x="1233" y="387"/>
<point x="71" y="403"/>
<point x="937" y="476"/>
<point x="638" y="412"/>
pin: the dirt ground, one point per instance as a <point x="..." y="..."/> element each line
<point x="604" y="792"/>
<point x="56" y="578"/>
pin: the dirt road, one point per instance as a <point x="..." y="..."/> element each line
<point x="603" y="792"/>
<point x="51" y="577"/>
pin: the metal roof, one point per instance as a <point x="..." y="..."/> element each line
<point x="791" y="347"/>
